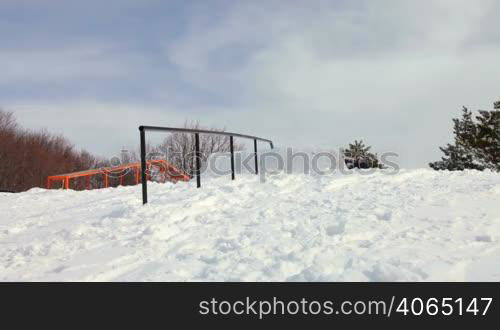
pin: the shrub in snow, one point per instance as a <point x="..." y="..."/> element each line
<point x="357" y="155"/>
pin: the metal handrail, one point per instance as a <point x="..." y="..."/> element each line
<point x="203" y="131"/>
<point x="196" y="132"/>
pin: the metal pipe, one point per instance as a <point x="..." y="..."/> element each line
<point x="143" y="167"/>
<point x="198" y="160"/>
<point x="197" y="132"/>
<point x="201" y="131"/>
<point x="232" y="156"/>
<point x="255" y="156"/>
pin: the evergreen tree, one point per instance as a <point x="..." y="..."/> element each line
<point x="357" y="155"/>
<point x="477" y="143"/>
<point x="455" y="159"/>
<point x="459" y="156"/>
<point x="487" y="148"/>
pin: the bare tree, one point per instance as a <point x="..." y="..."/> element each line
<point x="179" y="148"/>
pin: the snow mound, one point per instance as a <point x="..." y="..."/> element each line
<point x="418" y="225"/>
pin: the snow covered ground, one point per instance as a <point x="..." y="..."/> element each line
<point x="418" y="225"/>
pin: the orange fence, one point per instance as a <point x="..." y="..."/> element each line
<point x="169" y="171"/>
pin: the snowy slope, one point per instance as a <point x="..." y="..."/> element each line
<point x="418" y="225"/>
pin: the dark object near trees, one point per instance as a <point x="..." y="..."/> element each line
<point x="477" y="142"/>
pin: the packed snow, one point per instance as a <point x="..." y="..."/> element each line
<point x="417" y="225"/>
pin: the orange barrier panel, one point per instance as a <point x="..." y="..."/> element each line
<point x="167" y="169"/>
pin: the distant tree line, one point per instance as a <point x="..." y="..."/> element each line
<point x="28" y="157"/>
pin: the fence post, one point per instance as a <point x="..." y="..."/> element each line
<point x="143" y="166"/>
<point x="198" y="161"/>
<point x="232" y="156"/>
<point x="255" y="156"/>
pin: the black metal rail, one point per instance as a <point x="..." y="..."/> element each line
<point x="196" y="132"/>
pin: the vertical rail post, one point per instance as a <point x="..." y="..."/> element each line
<point x="232" y="156"/>
<point x="198" y="160"/>
<point x="255" y="156"/>
<point x="143" y="166"/>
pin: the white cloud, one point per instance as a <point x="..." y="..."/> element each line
<point x="60" y="64"/>
<point x="391" y="72"/>
<point x="315" y="72"/>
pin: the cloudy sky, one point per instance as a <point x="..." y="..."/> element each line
<point x="303" y="73"/>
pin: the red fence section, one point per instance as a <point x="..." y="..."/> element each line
<point x="166" y="170"/>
